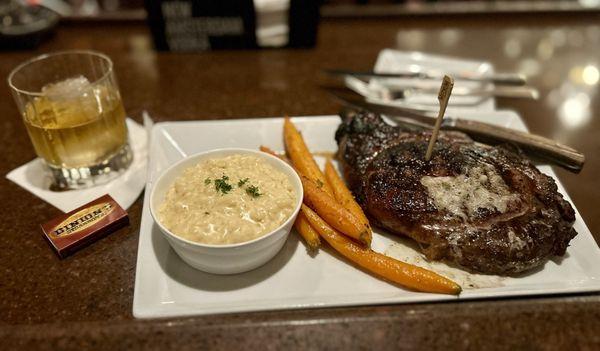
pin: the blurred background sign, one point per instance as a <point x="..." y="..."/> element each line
<point x="187" y="25"/>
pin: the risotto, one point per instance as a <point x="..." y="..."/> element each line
<point x="228" y="200"/>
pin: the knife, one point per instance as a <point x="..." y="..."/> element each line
<point x="388" y="92"/>
<point x="496" y="78"/>
<point x="534" y="145"/>
<point x="518" y="92"/>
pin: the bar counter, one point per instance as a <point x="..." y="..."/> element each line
<point x="85" y="301"/>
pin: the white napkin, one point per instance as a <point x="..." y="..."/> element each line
<point x="390" y="60"/>
<point x="125" y="189"/>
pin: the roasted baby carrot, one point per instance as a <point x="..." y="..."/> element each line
<point x="270" y="151"/>
<point x="308" y="233"/>
<point x="342" y="193"/>
<point x="334" y="213"/>
<point x="301" y="224"/>
<point x="393" y="270"/>
<point x="301" y="157"/>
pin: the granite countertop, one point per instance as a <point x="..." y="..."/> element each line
<point x="85" y="301"/>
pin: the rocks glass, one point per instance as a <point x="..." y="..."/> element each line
<point x="72" y="108"/>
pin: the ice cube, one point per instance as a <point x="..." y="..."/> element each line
<point x="68" y="89"/>
<point x="72" y="101"/>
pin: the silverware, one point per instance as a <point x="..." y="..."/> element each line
<point x="496" y="78"/>
<point x="383" y="91"/>
<point x="534" y="145"/>
<point x="519" y="92"/>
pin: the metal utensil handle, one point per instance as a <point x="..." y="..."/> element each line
<point x="514" y="92"/>
<point x="497" y="78"/>
<point x="508" y="78"/>
<point x="520" y="92"/>
<point x="536" y="145"/>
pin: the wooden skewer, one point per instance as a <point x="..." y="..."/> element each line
<point x="443" y="97"/>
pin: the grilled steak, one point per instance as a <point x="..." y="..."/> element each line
<point x="484" y="208"/>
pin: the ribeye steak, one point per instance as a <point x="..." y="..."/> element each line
<point x="485" y="208"/>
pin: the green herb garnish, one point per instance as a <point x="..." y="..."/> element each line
<point x="319" y="183"/>
<point x="207" y="181"/>
<point x="242" y="182"/>
<point x="222" y="186"/>
<point x="253" y="191"/>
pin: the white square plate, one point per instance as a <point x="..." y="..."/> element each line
<point x="166" y="287"/>
<point x="401" y="61"/>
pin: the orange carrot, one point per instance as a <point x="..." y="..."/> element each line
<point x="334" y="213"/>
<point x="308" y="233"/>
<point x="301" y="224"/>
<point x="393" y="270"/>
<point x="270" y="151"/>
<point x="301" y="157"/>
<point x="342" y="193"/>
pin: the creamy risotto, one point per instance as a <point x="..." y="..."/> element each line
<point x="228" y="200"/>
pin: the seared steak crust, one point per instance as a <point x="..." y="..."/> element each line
<point x="385" y="168"/>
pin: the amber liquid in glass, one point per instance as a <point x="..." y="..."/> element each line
<point x="78" y="131"/>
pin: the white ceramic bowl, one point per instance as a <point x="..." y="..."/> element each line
<point x="228" y="258"/>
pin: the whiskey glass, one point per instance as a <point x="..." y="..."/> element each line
<point x="72" y="109"/>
